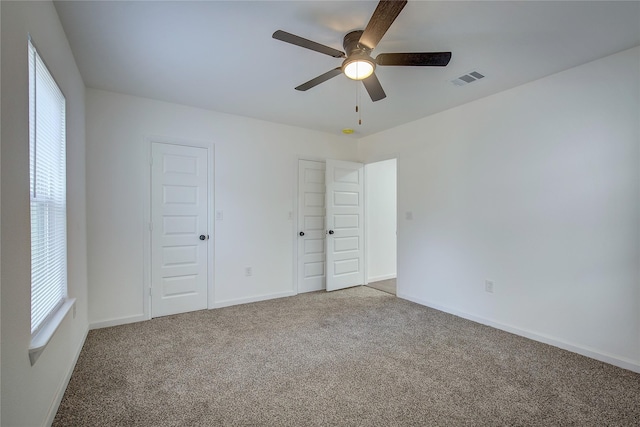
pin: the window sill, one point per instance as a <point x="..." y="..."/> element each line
<point x="42" y="338"/>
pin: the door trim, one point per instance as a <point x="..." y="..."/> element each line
<point x="146" y="220"/>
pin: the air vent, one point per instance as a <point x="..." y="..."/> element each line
<point x="467" y="78"/>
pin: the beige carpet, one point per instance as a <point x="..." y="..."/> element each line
<point x="357" y="357"/>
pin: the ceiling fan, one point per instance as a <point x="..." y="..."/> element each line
<point x="358" y="63"/>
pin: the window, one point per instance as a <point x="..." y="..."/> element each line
<point x="47" y="175"/>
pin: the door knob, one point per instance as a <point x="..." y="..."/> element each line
<point x="330" y="231"/>
<point x="202" y="237"/>
<point x="301" y="233"/>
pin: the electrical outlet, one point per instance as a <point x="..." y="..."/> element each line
<point x="218" y="215"/>
<point x="488" y="286"/>
<point x="408" y="215"/>
<point x="248" y="271"/>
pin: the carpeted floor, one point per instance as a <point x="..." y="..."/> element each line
<point x="357" y="357"/>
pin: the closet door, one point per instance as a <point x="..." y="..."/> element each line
<point x="345" y="226"/>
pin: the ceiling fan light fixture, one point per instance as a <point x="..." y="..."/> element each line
<point x="358" y="67"/>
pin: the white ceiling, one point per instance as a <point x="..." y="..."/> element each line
<point x="219" y="55"/>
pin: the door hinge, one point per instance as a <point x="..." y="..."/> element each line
<point x="150" y="226"/>
<point x="151" y="160"/>
<point x="150" y="294"/>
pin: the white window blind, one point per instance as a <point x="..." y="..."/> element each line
<point x="47" y="156"/>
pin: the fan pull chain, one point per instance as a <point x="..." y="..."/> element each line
<point x="356" y="97"/>
<point x="358" y="103"/>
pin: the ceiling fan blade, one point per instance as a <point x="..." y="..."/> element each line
<point x="374" y="88"/>
<point x="320" y="79"/>
<point x="308" y="44"/>
<point x="418" y="59"/>
<point x="382" y="18"/>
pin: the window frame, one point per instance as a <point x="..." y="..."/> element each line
<point x="52" y="254"/>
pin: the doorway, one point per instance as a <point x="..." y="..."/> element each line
<point x="381" y="224"/>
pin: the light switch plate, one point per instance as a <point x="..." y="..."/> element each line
<point x="488" y="286"/>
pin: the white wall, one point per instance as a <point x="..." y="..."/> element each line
<point x="255" y="187"/>
<point x="380" y="202"/>
<point x="30" y="395"/>
<point x="538" y="189"/>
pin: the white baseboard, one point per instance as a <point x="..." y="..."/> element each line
<point x="379" y="278"/>
<point x="621" y="362"/>
<point x="304" y="291"/>
<point x="237" y="301"/>
<point x="218" y="304"/>
<point x="117" y="321"/>
<point x="53" y="409"/>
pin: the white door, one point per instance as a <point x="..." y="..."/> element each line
<point x="345" y="214"/>
<point x="179" y="246"/>
<point x="311" y="229"/>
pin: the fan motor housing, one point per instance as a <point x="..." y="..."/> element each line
<point x="356" y="54"/>
<point x="351" y="44"/>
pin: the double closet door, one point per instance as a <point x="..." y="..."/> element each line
<point x="330" y="222"/>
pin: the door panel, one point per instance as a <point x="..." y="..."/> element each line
<point x="345" y="211"/>
<point x="179" y="210"/>
<point x="311" y="221"/>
